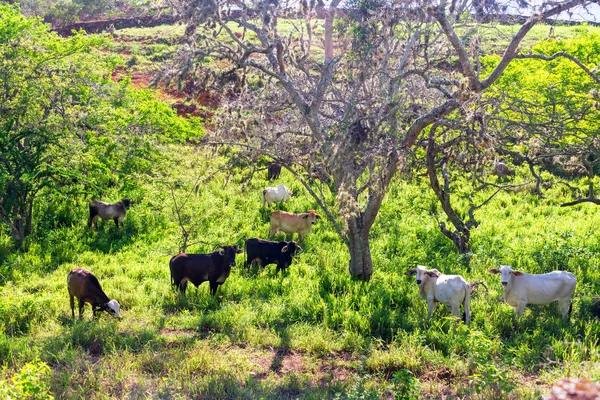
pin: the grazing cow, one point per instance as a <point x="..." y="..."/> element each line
<point x="291" y="223"/>
<point x="451" y="290"/>
<point x="106" y="211"/>
<point x="266" y="252"/>
<point x="85" y="286"/>
<point x="501" y="170"/>
<point x="275" y="194"/>
<point x="273" y="171"/>
<point x="520" y="289"/>
<point x="197" y="268"/>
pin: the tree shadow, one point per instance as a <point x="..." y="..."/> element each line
<point x="111" y="240"/>
<point x="282" y="350"/>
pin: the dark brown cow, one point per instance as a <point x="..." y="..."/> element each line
<point x="273" y="171"/>
<point x="197" y="268"/>
<point x="85" y="286"/>
<point x="106" y="211"/>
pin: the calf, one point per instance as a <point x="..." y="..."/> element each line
<point x="266" y="252"/>
<point x="275" y="194"/>
<point x="85" y="286"/>
<point x="106" y="211"/>
<point x="197" y="268"/>
<point x="501" y="170"/>
<point x="293" y="223"/>
<point x="520" y="289"/>
<point x="451" y="290"/>
<point x="273" y="171"/>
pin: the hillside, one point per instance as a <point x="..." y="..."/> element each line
<point x="310" y="333"/>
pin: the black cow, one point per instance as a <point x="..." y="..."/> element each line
<point x="266" y="252"/>
<point x="273" y="171"/>
<point x="197" y="268"/>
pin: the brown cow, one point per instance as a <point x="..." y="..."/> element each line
<point x="116" y="211"/>
<point x="291" y="223"/>
<point x="85" y="286"/>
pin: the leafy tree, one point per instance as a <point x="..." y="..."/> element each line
<point x="549" y="110"/>
<point x="63" y="122"/>
<point x="389" y="71"/>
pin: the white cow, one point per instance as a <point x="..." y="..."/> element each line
<point x="451" y="290"/>
<point x="275" y="194"/>
<point x="520" y="289"/>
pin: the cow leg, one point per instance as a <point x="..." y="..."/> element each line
<point x="72" y="306"/>
<point x="565" y="308"/>
<point x="116" y="219"/>
<point x="455" y="306"/>
<point x="299" y="237"/>
<point x="520" y="308"/>
<point x="183" y="285"/>
<point x="81" y="304"/>
<point x="213" y="287"/>
<point x="431" y="307"/>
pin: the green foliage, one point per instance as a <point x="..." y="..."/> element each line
<point x="32" y="382"/>
<point x="407" y="386"/>
<point x="65" y="127"/>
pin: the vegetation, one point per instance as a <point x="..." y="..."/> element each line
<point x="312" y="332"/>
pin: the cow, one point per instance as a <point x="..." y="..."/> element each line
<point x="501" y="170"/>
<point x="197" y="268"/>
<point x="451" y="290"/>
<point x="273" y="171"/>
<point x="107" y="211"/>
<point x="82" y="284"/>
<point x="275" y="195"/>
<point x="291" y="223"/>
<point x="266" y="252"/>
<point x="520" y="288"/>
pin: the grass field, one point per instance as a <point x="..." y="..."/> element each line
<point x="313" y="332"/>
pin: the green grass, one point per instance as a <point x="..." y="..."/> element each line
<point x="312" y="332"/>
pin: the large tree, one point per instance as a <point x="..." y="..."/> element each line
<point x="351" y="94"/>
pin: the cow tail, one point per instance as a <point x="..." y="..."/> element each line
<point x="171" y="270"/>
<point x="92" y="215"/>
<point x="263" y="197"/>
<point x="467" y="304"/>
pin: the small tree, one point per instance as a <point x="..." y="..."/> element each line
<point x="387" y="72"/>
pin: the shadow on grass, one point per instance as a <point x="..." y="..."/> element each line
<point x="110" y="240"/>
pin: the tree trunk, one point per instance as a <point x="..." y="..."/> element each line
<point x="328" y="26"/>
<point x="361" y="263"/>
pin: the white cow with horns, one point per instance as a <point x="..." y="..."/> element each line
<point x="451" y="290"/>
<point x="520" y="289"/>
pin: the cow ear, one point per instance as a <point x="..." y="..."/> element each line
<point x="306" y="216"/>
<point x="298" y="249"/>
<point x="411" y="272"/>
<point x="434" y="273"/>
<point x="239" y="251"/>
<point x="221" y="252"/>
<point x="493" y="271"/>
<point x="318" y="216"/>
<point x="517" y="273"/>
<point x="284" y="248"/>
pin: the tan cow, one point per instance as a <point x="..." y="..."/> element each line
<point x="291" y="223"/>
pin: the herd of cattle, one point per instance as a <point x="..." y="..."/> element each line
<point x="518" y="288"/>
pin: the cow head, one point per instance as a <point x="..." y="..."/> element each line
<point x="114" y="308"/>
<point x="423" y="273"/>
<point x="506" y="273"/>
<point x="127" y="203"/>
<point x="312" y="216"/>
<point x="230" y="252"/>
<point x="288" y="250"/>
